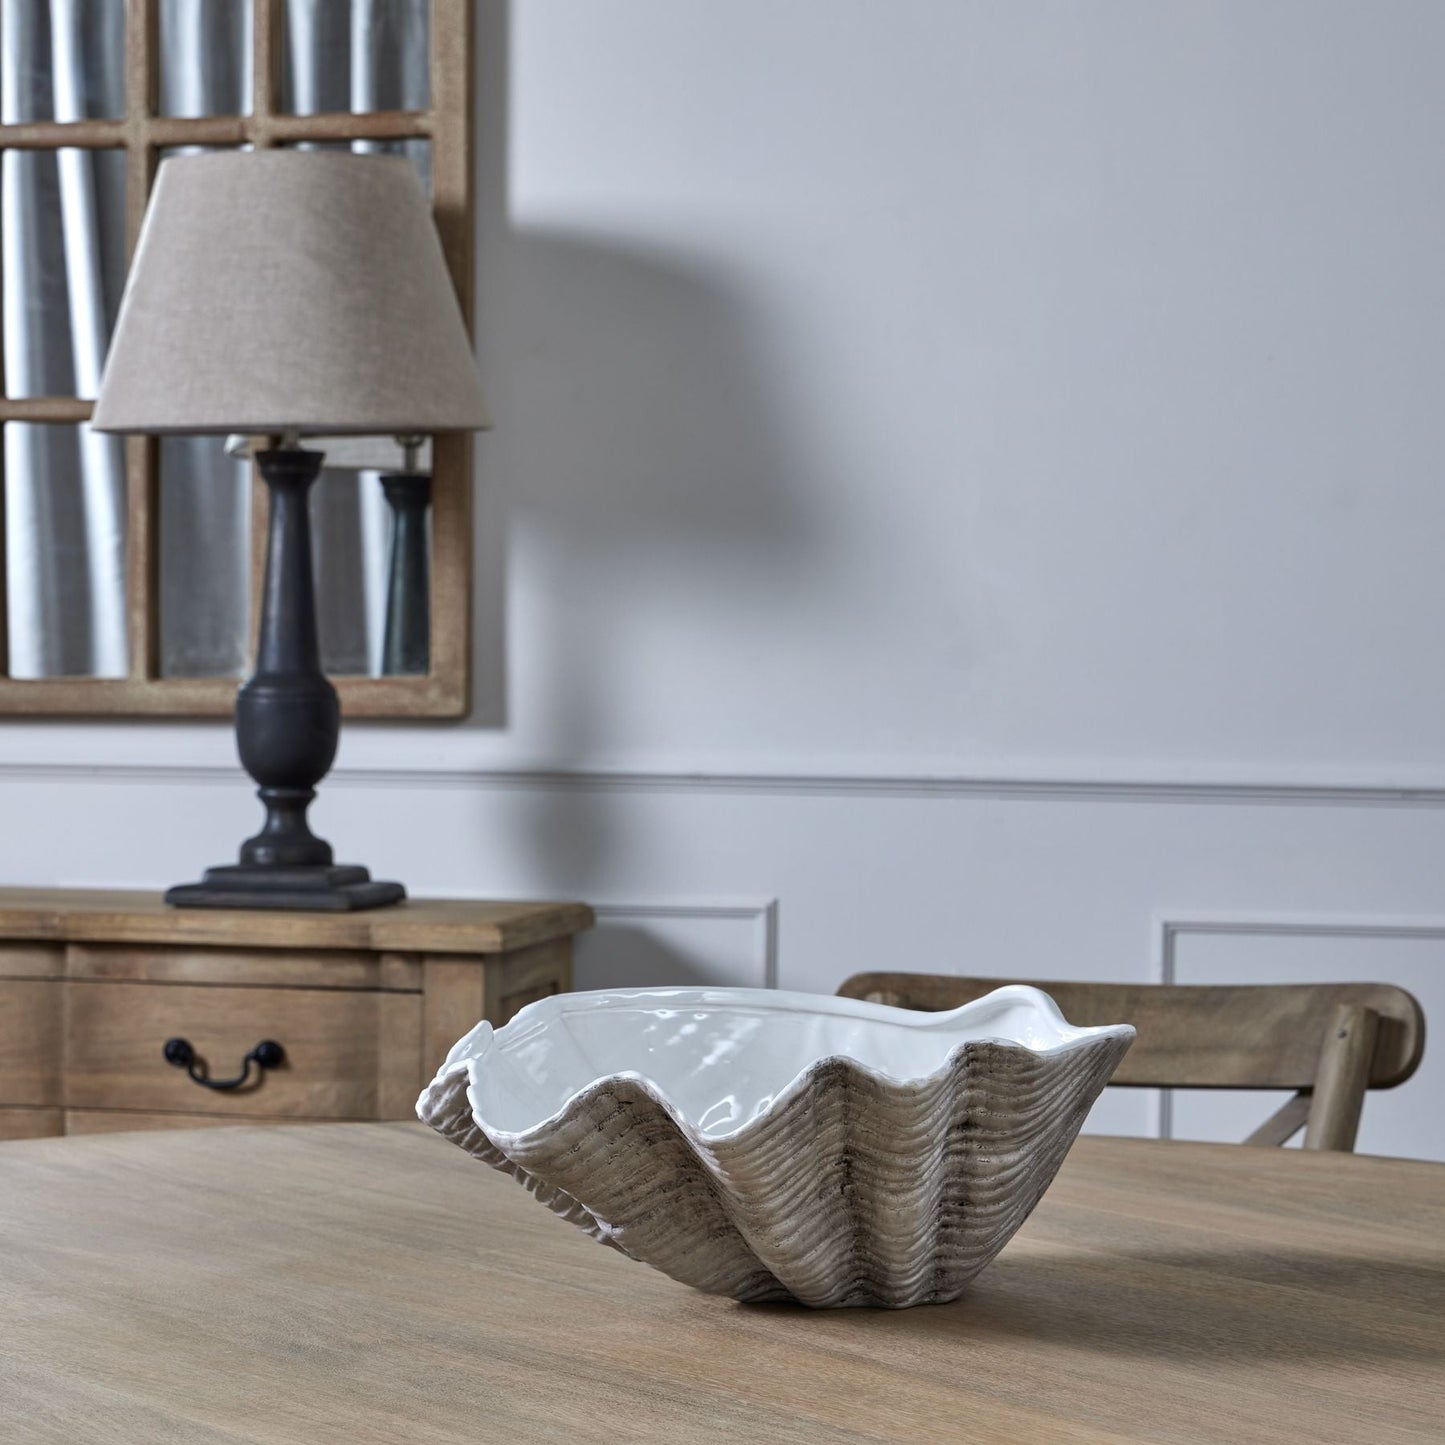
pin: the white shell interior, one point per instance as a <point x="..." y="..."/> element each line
<point x="721" y="1056"/>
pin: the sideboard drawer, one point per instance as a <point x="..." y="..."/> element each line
<point x="365" y="1005"/>
<point x="29" y="1042"/>
<point x="348" y="1054"/>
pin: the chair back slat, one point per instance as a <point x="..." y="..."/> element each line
<point x="1246" y="1036"/>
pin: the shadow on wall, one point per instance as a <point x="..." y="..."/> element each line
<point x="491" y="140"/>
<point x="638" y="442"/>
<point x="638" y="450"/>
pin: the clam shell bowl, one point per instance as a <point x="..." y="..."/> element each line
<point x="781" y="1146"/>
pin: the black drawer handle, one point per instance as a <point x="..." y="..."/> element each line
<point x="266" y="1055"/>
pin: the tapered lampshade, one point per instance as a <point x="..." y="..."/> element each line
<point x="276" y="291"/>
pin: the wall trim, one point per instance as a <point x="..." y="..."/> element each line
<point x="845" y="785"/>
<point x="761" y="912"/>
<point x="1169" y="927"/>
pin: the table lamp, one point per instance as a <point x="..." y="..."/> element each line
<point x="281" y="294"/>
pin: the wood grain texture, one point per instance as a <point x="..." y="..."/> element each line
<point x="536" y="968"/>
<point x="220" y="130"/>
<point x="30" y="1123"/>
<point x="347" y="1053"/>
<point x="344" y="994"/>
<point x="1161" y="1292"/>
<point x="389" y="697"/>
<point x="243" y="968"/>
<point x="267" y="17"/>
<point x="437" y="925"/>
<point x="1330" y="1042"/>
<point x="129" y="1121"/>
<point x="1344" y="1074"/>
<point x="399" y="1071"/>
<point x="45" y="409"/>
<point x="30" y="960"/>
<point x="1283" y="1124"/>
<point x="454" y="206"/>
<point x="1247" y="1036"/>
<point x="30" y="1041"/>
<point x="453" y="1002"/>
<point x="142" y="455"/>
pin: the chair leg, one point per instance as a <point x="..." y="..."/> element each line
<point x="1342" y="1078"/>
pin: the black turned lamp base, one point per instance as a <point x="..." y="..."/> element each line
<point x="288" y="722"/>
<point x="319" y="888"/>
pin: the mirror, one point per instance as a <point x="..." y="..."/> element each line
<point x="365" y="56"/>
<point x="65" y="541"/>
<point x="91" y="86"/>
<point x="205" y="57"/>
<point x="205" y="590"/>
<point x="64" y="496"/>
<point x="132" y="568"/>
<point x="371" y="542"/>
<point x="370" y="551"/>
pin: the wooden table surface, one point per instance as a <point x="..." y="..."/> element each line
<point x="370" y="1283"/>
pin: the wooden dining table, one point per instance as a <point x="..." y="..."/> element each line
<point x="372" y="1283"/>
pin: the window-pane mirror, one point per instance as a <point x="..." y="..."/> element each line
<point x="373" y="55"/>
<point x="62" y="256"/>
<point x="132" y="567"/>
<point x="205" y="57"/>
<point x="62" y="62"/>
<point x="65" y="544"/>
<point x="371" y="546"/>
<point x="205" y="590"/>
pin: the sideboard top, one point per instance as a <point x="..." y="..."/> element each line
<point x="427" y="925"/>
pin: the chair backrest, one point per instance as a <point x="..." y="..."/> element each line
<point x="1329" y="1042"/>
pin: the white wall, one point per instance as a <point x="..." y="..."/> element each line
<point x="964" y="497"/>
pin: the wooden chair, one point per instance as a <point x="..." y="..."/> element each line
<point x="1329" y="1041"/>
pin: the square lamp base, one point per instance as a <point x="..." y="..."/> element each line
<point x="322" y="888"/>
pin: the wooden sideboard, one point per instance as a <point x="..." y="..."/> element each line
<point x="93" y="985"/>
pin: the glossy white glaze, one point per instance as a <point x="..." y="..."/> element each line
<point x="721" y="1057"/>
<point x="777" y="1146"/>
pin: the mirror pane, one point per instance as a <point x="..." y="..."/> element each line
<point x="205" y="559"/>
<point x="62" y="230"/>
<point x="360" y="56"/>
<point x="62" y="61"/>
<point x="205" y="57"/>
<point x="371" y="542"/>
<point x="65" y="529"/>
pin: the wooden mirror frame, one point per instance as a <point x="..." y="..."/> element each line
<point x="142" y="134"/>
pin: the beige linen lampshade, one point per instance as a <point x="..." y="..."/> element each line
<point x="276" y="291"/>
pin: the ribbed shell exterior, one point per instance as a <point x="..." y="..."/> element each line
<point x="851" y="1190"/>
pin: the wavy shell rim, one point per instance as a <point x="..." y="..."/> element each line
<point x="543" y="1009"/>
